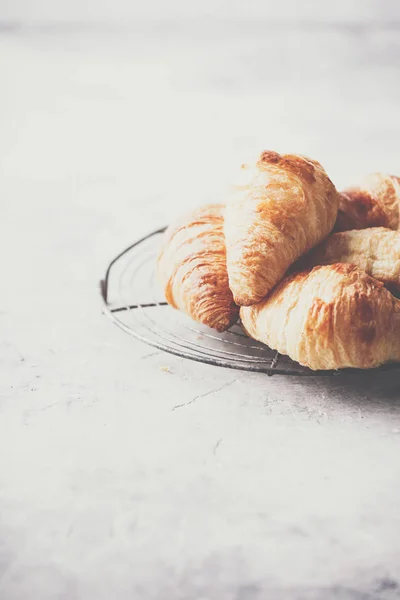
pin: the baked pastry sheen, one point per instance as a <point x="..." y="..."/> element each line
<point x="375" y="250"/>
<point x="375" y="203"/>
<point x="331" y="317"/>
<point x="192" y="268"/>
<point x="285" y="205"/>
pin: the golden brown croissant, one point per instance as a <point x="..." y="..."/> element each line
<point x="192" y="268"/>
<point x="375" y="203"/>
<point x="285" y="206"/>
<point x="375" y="250"/>
<point x="331" y="317"/>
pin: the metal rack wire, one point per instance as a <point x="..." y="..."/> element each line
<point x="134" y="301"/>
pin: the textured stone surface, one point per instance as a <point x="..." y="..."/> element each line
<point x="278" y="487"/>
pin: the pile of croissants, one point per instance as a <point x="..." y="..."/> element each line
<point x="313" y="273"/>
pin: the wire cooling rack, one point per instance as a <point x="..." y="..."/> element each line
<point x="134" y="301"/>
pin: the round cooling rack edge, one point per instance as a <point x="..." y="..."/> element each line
<point x="171" y="332"/>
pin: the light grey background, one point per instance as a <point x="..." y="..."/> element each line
<point x="114" y="117"/>
<point x="52" y="11"/>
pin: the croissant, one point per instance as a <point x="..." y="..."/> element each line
<point x="192" y="268"/>
<point x="331" y="317"/>
<point x="375" y="203"/>
<point x="375" y="250"/>
<point x="285" y="206"/>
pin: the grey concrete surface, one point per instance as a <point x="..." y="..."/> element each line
<point x="278" y="488"/>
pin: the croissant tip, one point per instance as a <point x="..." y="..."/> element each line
<point x="299" y="165"/>
<point x="245" y="300"/>
<point x="269" y="156"/>
<point x="224" y="325"/>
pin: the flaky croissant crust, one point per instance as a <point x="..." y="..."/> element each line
<point x="331" y="317"/>
<point x="192" y="268"/>
<point x="374" y="203"/>
<point x="375" y="250"/>
<point x="284" y="206"/>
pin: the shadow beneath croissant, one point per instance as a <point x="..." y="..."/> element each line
<point x="378" y="389"/>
